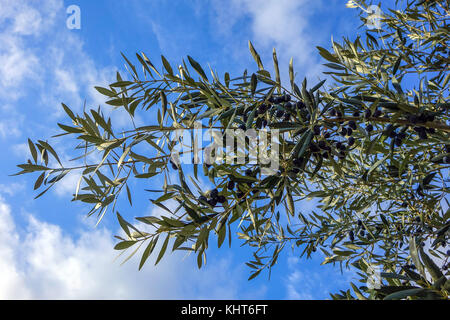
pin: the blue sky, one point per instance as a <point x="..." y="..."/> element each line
<point x="48" y="249"/>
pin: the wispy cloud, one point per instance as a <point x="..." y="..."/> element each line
<point x="41" y="261"/>
<point x="283" y="24"/>
<point x="307" y="280"/>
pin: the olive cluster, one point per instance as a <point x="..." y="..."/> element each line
<point x="276" y="108"/>
<point x="447" y="150"/>
<point x="239" y="186"/>
<point x="213" y="198"/>
<point x="417" y="119"/>
<point x="360" y="229"/>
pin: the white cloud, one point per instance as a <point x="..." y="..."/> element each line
<point x="41" y="261"/>
<point x="305" y="281"/>
<point x="283" y="24"/>
<point x="40" y="55"/>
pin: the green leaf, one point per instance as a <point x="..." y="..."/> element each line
<point x="148" y="250"/>
<point x="123" y="224"/>
<point x="124" y="245"/>
<point x="68" y="111"/>
<point x="396" y="65"/>
<point x="166" y="65"/>
<point x="415" y="256"/>
<point x="106" y="92"/>
<point x="254" y="274"/>
<point x="70" y="129"/>
<point x="163" y="249"/>
<point x="32" y="150"/>
<point x="255" y="55"/>
<point x="403" y="294"/>
<point x="327" y="55"/>
<point x="305" y="144"/>
<point x="277" y="70"/>
<point x="432" y="268"/>
<point x="197" y="68"/>
<point x="377" y="164"/>
<point x="47" y="147"/>
<point x="122" y="157"/>
<point x="253" y="83"/>
<point x="291" y="72"/>
<point x="32" y="167"/>
<point x="39" y="181"/>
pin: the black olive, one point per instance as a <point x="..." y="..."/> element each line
<point x="173" y="164"/>
<point x="352" y="124"/>
<point x="301" y="105"/>
<point x="377" y="113"/>
<point x="351" y="141"/>
<point x="316" y="130"/>
<point x="214" y="193"/>
<point x="262" y="108"/>
<point x="314" y="148"/>
<point x="351" y="236"/>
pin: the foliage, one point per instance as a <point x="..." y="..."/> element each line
<point x="373" y="149"/>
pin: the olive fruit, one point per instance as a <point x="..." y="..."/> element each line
<point x="351" y="141"/>
<point x="376" y="113"/>
<point x="214" y="193"/>
<point x="352" y="124"/>
<point x="300" y="105"/>
<point x="173" y="164"/>
<point x="316" y="130"/>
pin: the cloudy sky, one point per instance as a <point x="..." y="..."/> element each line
<point x="48" y="248"/>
